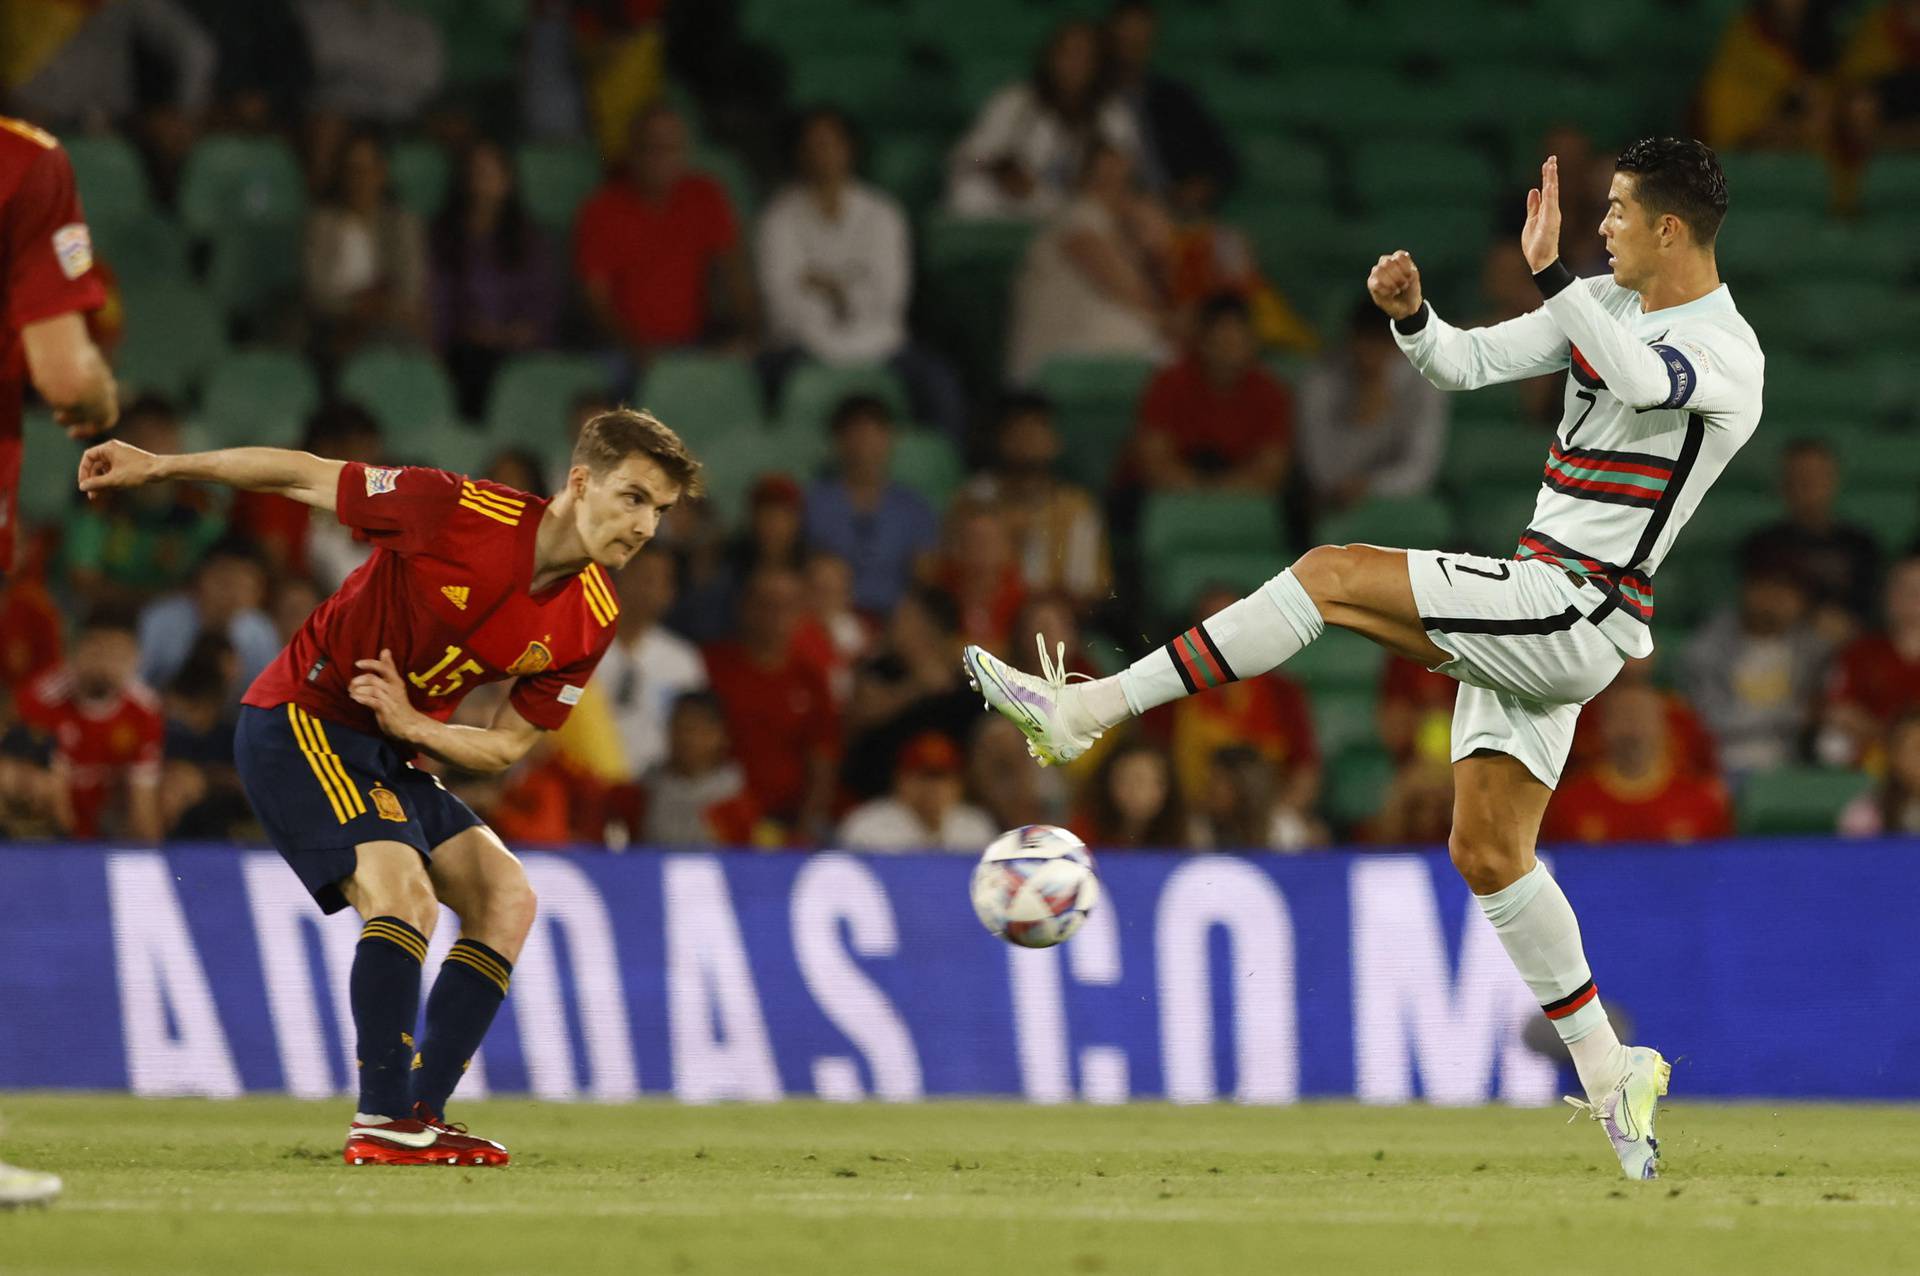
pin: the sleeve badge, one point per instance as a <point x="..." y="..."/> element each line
<point x="381" y="480"/>
<point x="73" y="247"/>
<point x="569" y="695"/>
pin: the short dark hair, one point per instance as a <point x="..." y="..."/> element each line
<point x="114" y="614"/>
<point x="235" y="547"/>
<point x="612" y="437"/>
<point x="1225" y="305"/>
<point x="858" y="407"/>
<point x="824" y="114"/>
<point x="340" y="419"/>
<point x="942" y="608"/>
<point x="1807" y="445"/>
<point x="1680" y="176"/>
<point x="1018" y="403"/>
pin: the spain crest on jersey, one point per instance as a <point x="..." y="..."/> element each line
<point x="535" y="658"/>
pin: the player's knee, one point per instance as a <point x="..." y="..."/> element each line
<point x="1484" y="863"/>
<point x="409" y="899"/>
<point x="514" y="907"/>
<point x="1326" y="573"/>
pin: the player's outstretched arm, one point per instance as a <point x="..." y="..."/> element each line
<point x="1456" y="358"/>
<point x="482" y="750"/>
<point x="311" y="480"/>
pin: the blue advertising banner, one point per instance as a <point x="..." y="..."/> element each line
<point x="1782" y="968"/>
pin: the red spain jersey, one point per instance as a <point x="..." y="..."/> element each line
<point x="448" y="592"/>
<point x="46" y="270"/>
<point x="95" y="744"/>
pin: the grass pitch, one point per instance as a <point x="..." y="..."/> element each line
<point x="256" y="1186"/>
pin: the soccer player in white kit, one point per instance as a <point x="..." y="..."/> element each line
<point x="1664" y="388"/>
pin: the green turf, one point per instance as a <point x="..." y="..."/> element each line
<point x="256" y="1186"/>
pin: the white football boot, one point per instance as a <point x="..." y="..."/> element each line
<point x="1035" y="705"/>
<point x="26" y="1187"/>
<point x="1628" y="1110"/>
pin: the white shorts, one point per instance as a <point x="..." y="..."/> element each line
<point x="1523" y="650"/>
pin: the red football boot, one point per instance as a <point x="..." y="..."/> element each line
<point x="469" y="1150"/>
<point x="412" y="1141"/>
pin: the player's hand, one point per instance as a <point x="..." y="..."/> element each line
<point x="381" y="689"/>
<point x="116" y="464"/>
<point x="1394" y="283"/>
<point x="1540" y="237"/>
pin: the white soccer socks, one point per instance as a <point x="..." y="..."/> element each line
<point x="1242" y="640"/>
<point x="1537" y="926"/>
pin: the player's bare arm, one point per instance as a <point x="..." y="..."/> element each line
<point x="70" y="374"/>
<point x="301" y="476"/>
<point x="483" y="750"/>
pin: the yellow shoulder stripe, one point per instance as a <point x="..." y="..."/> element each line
<point x="599" y="597"/>
<point x="505" y="504"/>
<point x="29" y="132"/>
<point x="511" y="520"/>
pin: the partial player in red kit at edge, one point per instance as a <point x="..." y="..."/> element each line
<point x="47" y="287"/>
<point x="470" y="582"/>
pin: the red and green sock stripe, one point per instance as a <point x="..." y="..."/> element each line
<point x="1197" y="659"/>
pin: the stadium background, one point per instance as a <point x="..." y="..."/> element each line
<point x="1350" y="130"/>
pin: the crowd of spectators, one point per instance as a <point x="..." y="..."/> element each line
<point x="793" y="679"/>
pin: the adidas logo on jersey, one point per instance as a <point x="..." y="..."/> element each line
<point x="456" y="594"/>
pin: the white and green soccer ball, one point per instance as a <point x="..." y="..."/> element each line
<point x="1035" y="886"/>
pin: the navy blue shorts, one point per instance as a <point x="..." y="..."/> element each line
<point x="321" y="789"/>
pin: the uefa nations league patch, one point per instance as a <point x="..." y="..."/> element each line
<point x="379" y="480"/>
<point x="73" y="246"/>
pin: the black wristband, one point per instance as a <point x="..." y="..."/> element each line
<point x="1407" y="325"/>
<point x="1553" y="278"/>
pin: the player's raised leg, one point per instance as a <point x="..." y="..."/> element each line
<point x="1364" y="588"/>
<point x="1498" y="804"/>
<point x="476" y="876"/>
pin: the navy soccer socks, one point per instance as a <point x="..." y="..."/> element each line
<point x="467" y="994"/>
<point x="385" y="992"/>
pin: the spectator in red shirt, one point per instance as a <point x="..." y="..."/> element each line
<point x="980" y="570"/>
<point x="1876" y="677"/>
<point x="648" y="241"/>
<point x="105" y="732"/>
<point x="1689" y="744"/>
<point x="284" y="528"/>
<point x="1414" y="700"/>
<point x="1637" y="792"/>
<point x="29" y="632"/>
<point x="778" y="706"/>
<point x="1217" y="418"/>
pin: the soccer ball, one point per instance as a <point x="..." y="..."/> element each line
<point x="1035" y="886"/>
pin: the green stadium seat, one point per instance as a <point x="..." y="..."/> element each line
<point x="1357" y="784"/>
<point x="1185" y="522"/>
<point x="1097" y="406"/>
<point x="260" y="397"/>
<point x="448" y="445"/>
<point x="1892" y="185"/>
<point x="751" y="453"/>
<point x="1179" y="581"/>
<point x="927" y="463"/>
<point x="255" y="268"/>
<point x="1732" y="513"/>
<point x="229" y="179"/>
<point x="555" y="179"/>
<point x="1797" y="800"/>
<point x="731" y="172"/>
<point x="531" y="401"/>
<point x="111" y="179"/>
<point x="970" y="265"/>
<point x="422" y="176"/>
<point x="1344" y="720"/>
<point x="1419" y="522"/>
<point x="1277" y="167"/>
<point x="815" y="390"/>
<point x="908" y="166"/>
<point x="172" y="338"/>
<point x="49" y="468"/>
<point x="1777" y="179"/>
<point x="404" y="389"/>
<point x="1843" y="318"/>
<point x="1891" y="513"/>
<point x="1485" y="455"/>
<point x="805" y="32"/>
<point x="1491" y="522"/>
<point x="1422" y="174"/>
<point x="143" y="251"/>
<point x="702" y="396"/>
<point x="1338" y="660"/>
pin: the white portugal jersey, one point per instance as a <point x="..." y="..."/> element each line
<point x="1656" y="405"/>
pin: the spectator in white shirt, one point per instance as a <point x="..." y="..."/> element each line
<point x="926" y="811"/>
<point x="836" y="271"/>
<point x="647" y="668"/>
<point x="1024" y="154"/>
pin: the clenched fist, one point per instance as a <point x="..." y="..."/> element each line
<point x="1394" y="283"/>
<point x="116" y="464"/>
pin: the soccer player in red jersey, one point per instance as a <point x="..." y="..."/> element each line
<point x="47" y="287"/>
<point x="470" y="582"/>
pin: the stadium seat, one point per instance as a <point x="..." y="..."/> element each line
<point x="143" y="251"/>
<point x="1482" y="455"/>
<point x="422" y="175"/>
<point x="260" y="397"/>
<point x="1343" y="720"/>
<point x="1357" y="783"/>
<point x="1178" y="581"/>
<point x="173" y="337"/>
<point x="702" y="396"/>
<point x="110" y="178"/>
<point x="404" y="389"/>
<point x="908" y="166"/>
<point x="555" y="179"/>
<point x="927" y="463"/>
<point x="1777" y="179"/>
<point x="1097" y="406"/>
<point x="229" y="179"/>
<point x="48" y="470"/>
<point x="531" y="401"/>
<point x="1892" y="185"/>
<point x="1491" y="522"/>
<point x="1337" y="661"/>
<point x="970" y="265"/>
<point x="449" y="445"/>
<point x="1797" y="800"/>
<point x="1183" y="522"/>
<point x="815" y="390"/>
<point x="1891" y="513"/>
<point x="1419" y="522"/>
<point x="1278" y="167"/>
<point x="752" y="453"/>
<point x="255" y="268"/>
<point x="1422" y="174"/>
<point x="731" y="172"/>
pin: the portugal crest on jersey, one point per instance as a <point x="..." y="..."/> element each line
<point x="535" y="658"/>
